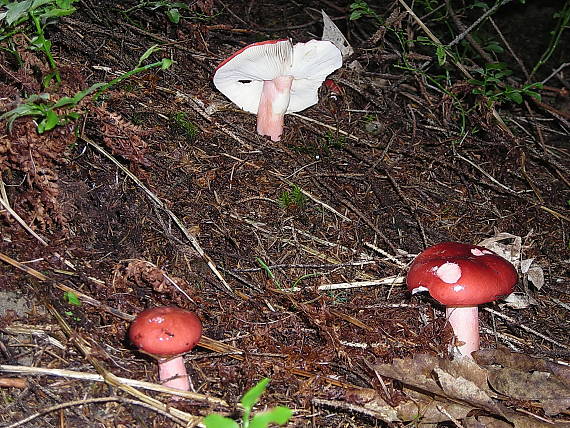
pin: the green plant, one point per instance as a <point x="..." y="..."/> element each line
<point x="268" y="272"/>
<point x="277" y="415"/>
<point x="190" y="129"/>
<point x="493" y="85"/>
<point x="294" y="198"/>
<point x="39" y="13"/>
<point x="360" y="9"/>
<point x="50" y="114"/>
<point x="334" y="140"/>
<point x="71" y="298"/>
<point x="172" y="9"/>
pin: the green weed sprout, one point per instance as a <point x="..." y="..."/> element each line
<point x="41" y="108"/>
<point x="292" y="198"/>
<point x="190" y="129"/>
<point x="277" y="415"/>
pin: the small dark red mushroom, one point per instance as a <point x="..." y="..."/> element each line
<point x="165" y="333"/>
<point x="462" y="276"/>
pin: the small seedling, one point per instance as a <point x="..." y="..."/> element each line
<point x="39" y="13"/>
<point x="295" y="198"/>
<point x="268" y="272"/>
<point x="277" y="415"/>
<point x="190" y="129"/>
<point x="71" y="298"/>
<point x="171" y="9"/>
<point x="334" y="140"/>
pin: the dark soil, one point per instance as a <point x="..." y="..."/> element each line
<point x="389" y="167"/>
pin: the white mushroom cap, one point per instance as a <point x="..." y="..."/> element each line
<point x="241" y="76"/>
<point x="312" y="63"/>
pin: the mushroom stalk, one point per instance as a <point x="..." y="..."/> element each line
<point x="273" y="104"/>
<point x="172" y="373"/>
<point x="465" y="323"/>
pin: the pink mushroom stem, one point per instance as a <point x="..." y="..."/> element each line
<point x="273" y="104"/>
<point x="465" y="323"/>
<point x="173" y="373"/>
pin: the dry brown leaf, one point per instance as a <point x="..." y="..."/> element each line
<point x="541" y="386"/>
<point x="467" y="391"/>
<point x="424" y="408"/>
<point x="462" y="382"/>
<point x="485" y="422"/>
<point x="371" y="402"/>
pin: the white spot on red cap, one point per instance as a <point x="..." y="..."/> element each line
<point x="458" y="288"/>
<point x="448" y="272"/>
<point x="478" y="252"/>
<point x="419" y="289"/>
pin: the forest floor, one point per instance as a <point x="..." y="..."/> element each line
<point x="292" y="253"/>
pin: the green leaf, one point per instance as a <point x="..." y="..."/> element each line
<point x="515" y="96"/>
<point x="357" y="14"/>
<point x="148" y="53"/>
<point x="71" y="298"/>
<point x="533" y="94"/>
<point x="217" y="421"/>
<point x="173" y="15"/>
<point x="481" y="5"/>
<point x="252" y="396"/>
<point x="278" y="415"/>
<point x="166" y="63"/>
<point x="494" y="47"/>
<point x="49" y="122"/>
<point x="17" y="10"/>
<point x="441" y="55"/>
<point x="54" y="13"/>
<point x="496" y="66"/>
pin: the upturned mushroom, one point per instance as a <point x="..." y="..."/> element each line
<point x="275" y="77"/>
<point x="165" y="333"/>
<point x="461" y="277"/>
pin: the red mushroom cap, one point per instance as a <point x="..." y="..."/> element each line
<point x="165" y="331"/>
<point x="458" y="274"/>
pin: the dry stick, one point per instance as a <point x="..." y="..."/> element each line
<point x="333" y="128"/>
<point x="524" y="327"/>
<point x="555" y="72"/>
<point x="92" y="401"/>
<point x="486" y="174"/>
<point x="72" y="374"/>
<point x="162" y="206"/>
<point x="84" y="297"/>
<point x="477" y="22"/>
<point x="390" y="280"/>
<point x="509" y="48"/>
<point x="466" y="33"/>
<point x="19" y="219"/>
<point x="205" y="342"/>
<point x="314" y="198"/>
